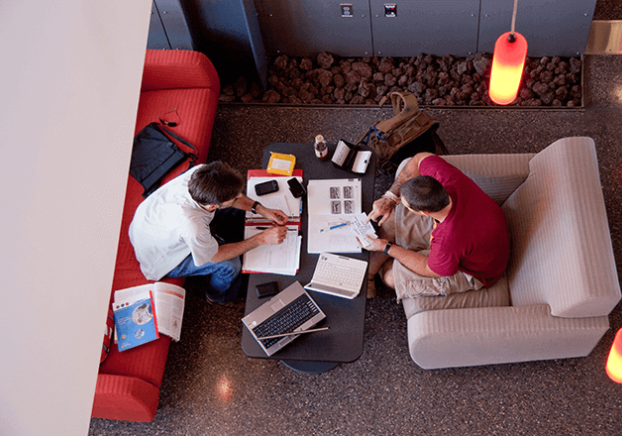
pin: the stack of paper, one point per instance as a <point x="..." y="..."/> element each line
<point x="332" y="204"/>
<point x="281" y="259"/>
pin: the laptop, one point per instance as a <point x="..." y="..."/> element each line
<point x="338" y="275"/>
<point x="291" y="310"/>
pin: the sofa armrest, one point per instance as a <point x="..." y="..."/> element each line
<point x="493" y="335"/>
<point x="178" y="69"/>
<point x="125" y="398"/>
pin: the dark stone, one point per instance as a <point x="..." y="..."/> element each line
<point x="352" y="77"/>
<point x="482" y="64"/>
<point x="271" y="97"/>
<point x="280" y="63"/>
<point x="306" y="64"/>
<point x="228" y="90"/>
<point x="256" y="90"/>
<point x="540" y="88"/>
<point x="526" y="94"/>
<point x="431" y="94"/>
<point x="325" y="77"/>
<point x="416" y="88"/>
<point x="364" y="70"/>
<point x="240" y="86"/>
<point x="385" y="66"/>
<point x="389" y="79"/>
<point x="547" y="98"/>
<point x="325" y="60"/>
<point x="338" y="80"/>
<point x="575" y="65"/>
<point x="546" y="76"/>
<point x="305" y="95"/>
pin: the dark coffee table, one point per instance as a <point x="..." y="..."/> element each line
<point x="317" y="352"/>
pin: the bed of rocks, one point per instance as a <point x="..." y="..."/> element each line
<point x="435" y="80"/>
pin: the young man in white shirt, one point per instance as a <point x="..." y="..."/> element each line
<point x="172" y="236"/>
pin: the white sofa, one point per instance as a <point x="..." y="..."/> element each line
<point x="561" y="282"/>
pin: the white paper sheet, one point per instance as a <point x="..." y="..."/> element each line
<point x="332" y="202"/>
<point x="281" y="259"/>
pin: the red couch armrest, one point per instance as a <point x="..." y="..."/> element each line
<point x="178" y="69"/>
<point x="125" y="398"/>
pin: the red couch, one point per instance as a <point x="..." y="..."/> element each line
<point x="128" y="384"/>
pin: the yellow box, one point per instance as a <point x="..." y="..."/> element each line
<point x="282" y="164"/>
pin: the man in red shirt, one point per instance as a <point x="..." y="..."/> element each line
<point x="440" y="232"/>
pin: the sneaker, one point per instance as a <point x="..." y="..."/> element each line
<point x="238" y="304"/>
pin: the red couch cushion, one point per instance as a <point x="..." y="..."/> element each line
<point x="128" y="383"/>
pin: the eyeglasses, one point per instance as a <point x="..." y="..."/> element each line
<point x="170" y="120"/>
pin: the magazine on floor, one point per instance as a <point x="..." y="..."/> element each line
<point x="169" y="302"/>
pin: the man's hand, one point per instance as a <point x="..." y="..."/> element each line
<point x="275" y="215"/>
<point x="383" y="207"/>
<point x="273" y="236"/>
<point x="374" y="244"/>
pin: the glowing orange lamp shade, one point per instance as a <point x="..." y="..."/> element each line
<point x="508" y="62"/>
<point x="614" y="361"/>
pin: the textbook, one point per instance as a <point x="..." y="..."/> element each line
<point x="169" y="302"/>
<point x="135" y="321"/>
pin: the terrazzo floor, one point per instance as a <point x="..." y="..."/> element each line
<point x="211" y="388"/>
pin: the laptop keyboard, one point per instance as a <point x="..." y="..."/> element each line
<point x="337" y="275"/>
<point x="286" y="320"/>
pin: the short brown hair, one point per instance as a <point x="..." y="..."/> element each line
<point x="425" y="194"/>
<point x="215" y="183"/>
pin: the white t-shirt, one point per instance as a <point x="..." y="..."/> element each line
<point x="168" y="226"/>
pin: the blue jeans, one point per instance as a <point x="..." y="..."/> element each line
<point x="223" y="285"/>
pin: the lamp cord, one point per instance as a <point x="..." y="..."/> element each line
<point x="514" y="17"/>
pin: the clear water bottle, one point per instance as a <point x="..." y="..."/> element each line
<point x="321" y="149"/>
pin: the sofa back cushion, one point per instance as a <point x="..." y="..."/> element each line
<point x="561" y="251"/>
<point x="498" y="175"/>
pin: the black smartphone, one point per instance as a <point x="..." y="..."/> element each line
<point x="266" y="187"/>
<point x="267" y="289"/>
<point x="296" y="188"/>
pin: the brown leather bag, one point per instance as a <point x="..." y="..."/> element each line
<point x="409" y="132"/>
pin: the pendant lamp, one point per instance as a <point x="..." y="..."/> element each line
<point x="508" y="62"/>
<point x="614" y="361"/>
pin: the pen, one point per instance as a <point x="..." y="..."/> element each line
<point x="301" y="207"/>
<point x="334" y="227"/>
<point x="266" y="228"/>
<point x="293" y="333"/>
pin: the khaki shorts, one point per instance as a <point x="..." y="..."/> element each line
<point x="413" y="232"/>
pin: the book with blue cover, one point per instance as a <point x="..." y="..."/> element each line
<point x="135" y="321"/>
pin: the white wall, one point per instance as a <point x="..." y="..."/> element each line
<point x="70" y="74"/>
